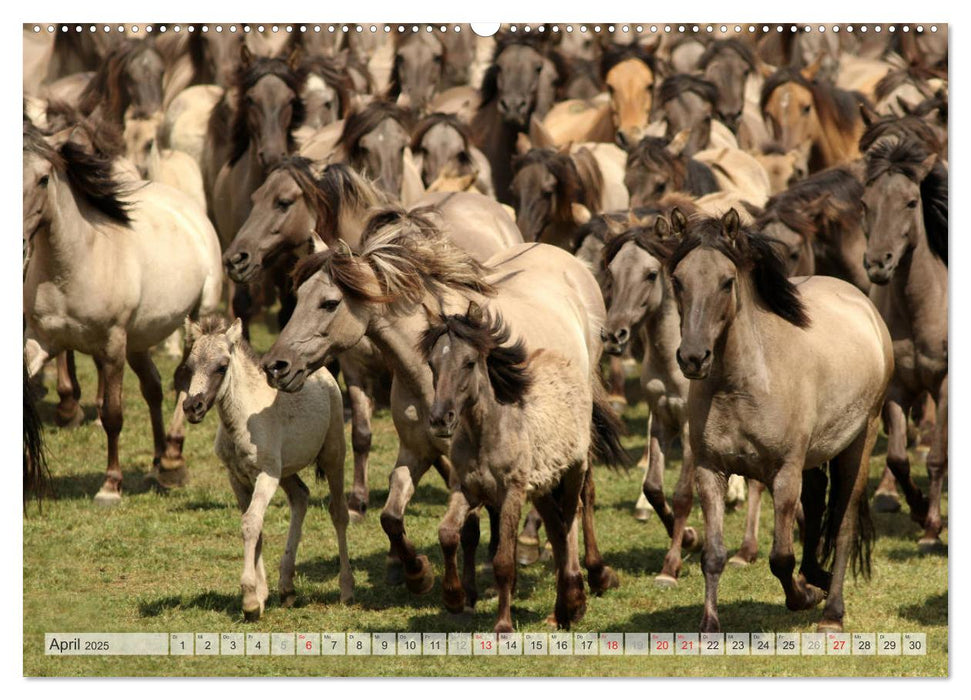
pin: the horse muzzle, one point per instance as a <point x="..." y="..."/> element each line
<point x="240" y="267"/>
<point x="442" y="421"/>
<point x="695" y="364"/>
<point x="880" y="271"/>
<point x="195" y="408"/>
<point x="615" y="342"/>
<point x="281" y="375"/>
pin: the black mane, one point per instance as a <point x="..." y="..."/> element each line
<point x="753" y="252"/>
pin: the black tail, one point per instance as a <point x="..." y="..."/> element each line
<point x="866" y="533"/>
<point x="607" y="429"/>
<point x="36" y="474"/>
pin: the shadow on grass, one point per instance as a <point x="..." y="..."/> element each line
<point x="85" y="486"/>
<point x="933" y="611"/>
<point x="737" y="616"/>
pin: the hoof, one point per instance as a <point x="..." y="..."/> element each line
<point x="288" y="599"/>
<point x="690" y="541"/>
<point x="618" y="403"/>
<point x="603" y="582"/>
<point x="454" y="600"/>
<point x="355" y="516"/>
<point x="502" y="628"/>
<point x="829" y="626"/>
<point x="422" y="581"/>
<point x="252" y="615"/>
<point x="886" y="502"/>
<point x="740" y="560"/>
<point x="69" y="422"/>
<point x="547" y="553"/>
<point x="107" y="497"/>
<point x="665" y="581"/>
<point x="166" y="479"/>
<point x="931" y="545"/>
<point x="527" y="551"/>
<point x="394" y="573"/>
<point x="643" y="514"/>
<point x="710" y="625"/>
<point x="551" y="621"/>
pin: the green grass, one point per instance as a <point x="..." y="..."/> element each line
<point x="172" y="564"/>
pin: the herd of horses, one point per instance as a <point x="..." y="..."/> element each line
<point x="464" y="226"/>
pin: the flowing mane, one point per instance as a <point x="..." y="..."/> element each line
<point x="751" y="252"/>
<point x="685" y="174"/>
<point x="406" y="254"/>
<point x="89" y="173"/>
<point x="507" y="365"/>
<point x="914" y="75"/>
<point x="814" y="206"/>
<point x="908" y="128"/>
<point x="578" y="178"/>
<point x="247" y="76"/>
<point x="107" y="89"/>
<point x="363" y="121"/>
<point x="905" y="156"/>
<point x="645" y="238"/>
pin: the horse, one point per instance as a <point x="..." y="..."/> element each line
<point x="629" y="73"/>
<point x="100" y="281"/>
<point x="819" y="222"/>
<point x="785" y="375"/>
<point x="798" y="108"/>
<point x="170" y="167"/>
<point x="442" y="147"/>
<point x="327" y="92"/>
<point x="520" y="82"/>
<point x="417" y="71"/>
<point x="657" y="166"/>
<point x="784" y="168"/>
<point x="130" y="76"/>
<point x="265" y="438"/>
<point x="687" y="102"/>
<point x="727" y="64"/>
<point x="379" y="293"/>
<point x="905" y="221"/>
<point x="486" y="387"/>
<point x="373" y="142"/>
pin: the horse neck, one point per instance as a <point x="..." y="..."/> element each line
<point x="244" y="392"/>
<point x="397" y="336"/>
<point x="69" y="236"/>
<point x="740" y="364"/>
<point x="486" y="423"/>
<point x="919" y="285"/>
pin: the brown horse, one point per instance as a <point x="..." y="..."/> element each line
<point x="442" y="147"/>
<point x="727" y="64"/>
<point x="657" y="167"/>
<point x="629" y="74"/>
<point x="373" y="142"/>
<point x="687" y="102"/>
<point x="905" y="204"/>
<point x="520" y="82"/>
<point x="129" y="76"/>
<point x="819" y="222"/>
<point x="417" y="70"/>
<point x="785" y="376"/>
<point x="798" y="109"/>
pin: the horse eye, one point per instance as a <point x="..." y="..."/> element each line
<point x="44" y="180"/>
<point x="651" y="276"/>
<point x="805" y="110"/>
<point x="283" y="204"/>
<point x="221" y="369"/>
<point x="330" y="304"/>
<point x="727" y="285"/>
<point x="912" y="204"/>
<point x="470" y="364"/>
<point x="539" y="69"/>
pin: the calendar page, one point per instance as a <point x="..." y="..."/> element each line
<point x="390" y="349"/>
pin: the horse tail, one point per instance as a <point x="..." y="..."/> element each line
<point x="866" y="534"/>
<point x="37" y="481"/>
<point x="606" y="431"/>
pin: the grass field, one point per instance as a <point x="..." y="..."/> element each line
<point x="172" y="564"/>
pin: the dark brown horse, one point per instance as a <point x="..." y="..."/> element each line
<point x="129" y="76"/>
<point x="657" y="167"/>
<point x="521" y="82"/>
<point x="905" y="204"/>
<point x="819" y="222"/>
<point x="417" y="71"/>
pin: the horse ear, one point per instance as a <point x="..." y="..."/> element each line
<point x="679" y="224"/>
<point x="192" y="332"/>
<point x="581" y="214"/>
<point x="245" y="55"/>
<point x="731" y="225"/>
<point x="235" y="333"/>
<point x="662" y="229"/>
<point x="295" y="58"/>
<point x="868" y="115"/>
<point x="539" y="135"/>
<point x="474" y="314"/>
<point x="810" y="71"/>
<point x="679" y="141"/>
<point x="905" y="106"/>
<point x="924" y="169"/>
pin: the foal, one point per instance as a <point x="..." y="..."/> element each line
<point x="265" y="438"/>
<point x="520" y="426"/>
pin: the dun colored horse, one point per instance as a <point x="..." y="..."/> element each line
<point x="785" y="376"/>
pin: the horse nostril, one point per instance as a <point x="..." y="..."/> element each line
<point x="887" y="257"/>
<point x="622" y="334"/>
<point x="622" y="139"/>
<point x="276" y="369"/>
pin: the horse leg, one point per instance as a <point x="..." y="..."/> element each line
<point x="681" y="535"/>
<point x="450" y="534"/>
<point x="600" y="576"/>
<point x="886" y="499"/>
<point x="528" y="550"/>
<point x="298" y="496"/>
<point x="749" y="550"/>
<point x="653" y="486"/>
<point x="404" y="563"/>
<point x="330" y="462"/>
<point x="470" y="543"/>
<point x="617" y="398"/>
<point x="242" y="306"/>
<point x="253" y="581"/>
<point x="895" y="420"/>
<point x="813" y="499"/>
<point x="69" y="413"/>
<point x="504" y="562"/>
<point x="786" y="491"/>
<point x="849" y="472"/>
<point x="936" y="470"/>
<point x="150" y="384"/>
<point x="361" y="408"/>
<point x="711" y="492"/>
<point x="244" y="495"/>
<point x="559" y="517"/>
<point x="113" y="367"/>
